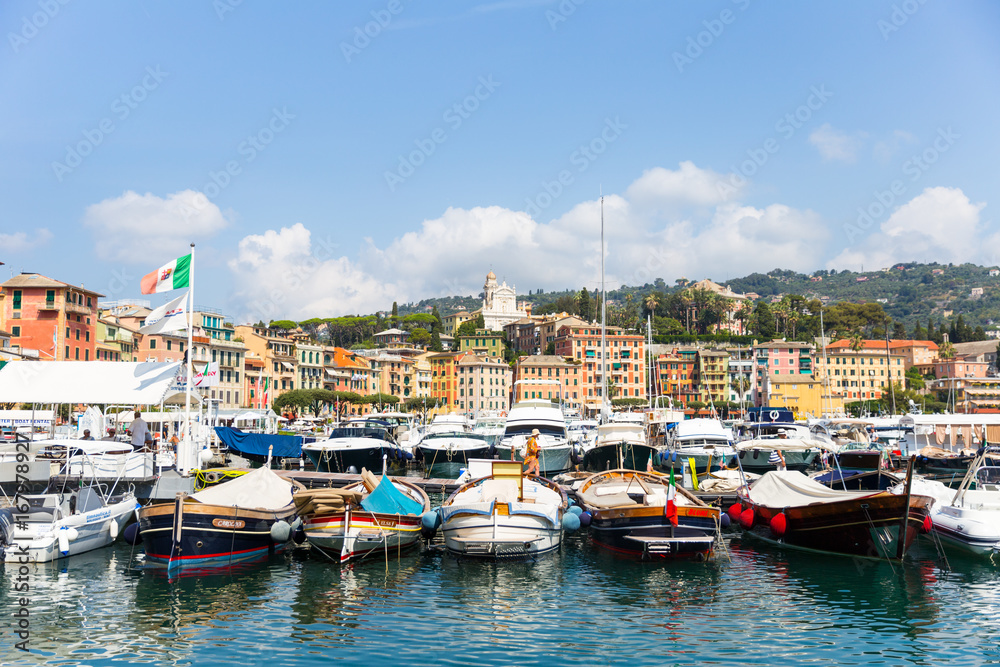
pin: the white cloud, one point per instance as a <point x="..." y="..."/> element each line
<point x="835" y="144"/>
<point x="136" y="228"/>
<point x="938" y="225"/>
<point x="290" y="274"/>
<point x="21" y="242"/>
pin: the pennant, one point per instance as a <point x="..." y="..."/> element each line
<point x="670" y="511"/>
<point x="175" y="275"/>
<point x="171" y="316"/>
<point x="209" y="377"/>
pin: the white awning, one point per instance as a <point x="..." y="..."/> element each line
<point x="127" y="382"/>
<point x="287" y="366"/>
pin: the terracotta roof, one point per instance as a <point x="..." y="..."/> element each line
<point x="845" y="343"/>
<point x="38" y="280"/>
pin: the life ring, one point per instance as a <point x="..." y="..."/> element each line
<point x="212" y="477"/>
<point x="774" y="414"/>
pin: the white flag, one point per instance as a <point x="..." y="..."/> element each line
<point x="208" y="377"/>
<point x="171" y="316"/>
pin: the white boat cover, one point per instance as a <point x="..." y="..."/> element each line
<point x="122" y="382"/>
<point x="790" y="488"/>
<point x="786" y="444"/>
<point x="259" y="489"/>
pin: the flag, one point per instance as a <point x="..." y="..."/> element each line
<point x="670" y="511"/>
<point x="209" y="377"/>
<point x="257" y="392"/>
<point x="171" y="316"/>
<point x="267" y="383"/>
<point x="175" y="275"/>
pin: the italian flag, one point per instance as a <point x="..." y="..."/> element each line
<point x="174" y="275"/>
<point x="670" y="511"/>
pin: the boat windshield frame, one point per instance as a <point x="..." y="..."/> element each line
<point x="526" y="429"/>
<point x="377" y="433"/>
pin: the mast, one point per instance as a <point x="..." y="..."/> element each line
<point x="649" y="360"/>
<point x="187" y="463"/>
<point x="888" y="362"/>
<point x="826" y="367"/>
<point x="604" y="304"/>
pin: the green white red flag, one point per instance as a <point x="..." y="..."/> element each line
<point x="670" y="511"/>
<point x="174" y="275"/>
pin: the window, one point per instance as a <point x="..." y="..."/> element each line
<point x="78" y="334"/>
<point x="15" y="331"/>
<point x="17" y="299"/>
<point x="50" y="296"/>
<point x="152" y="343"/>
<point x="87" y="336"/>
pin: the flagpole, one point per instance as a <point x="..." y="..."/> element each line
<point x="189" y="449"/>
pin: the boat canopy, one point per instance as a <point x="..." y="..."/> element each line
<point x="259" y="443"/>
<point x="387" y="499"/>
<point x="790" y="488"/>
<point x="259" y="489"/>
<point x="786" y="444"/>
<point x="128" y="382"/>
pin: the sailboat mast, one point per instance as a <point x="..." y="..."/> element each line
<point x="604" y="305"/>
<point x="826" y="367"/>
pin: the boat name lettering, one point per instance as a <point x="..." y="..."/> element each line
<point x="99" y="516"/>
<point x="228" y="523"/>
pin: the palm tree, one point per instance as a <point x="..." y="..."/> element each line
<point x="856" y="342"/>
<point x="947" y="350"/>
<point x="651" y="302"/>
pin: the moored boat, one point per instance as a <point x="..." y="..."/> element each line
<point x="970" y="519"/>
<point x="789" y="508"/>
<point x="352" y="448"/>
<point x="372" y="515"/>
<point x="245" y="519"/>
<point x="554" y="449"/>
<point x="633" y="513"/>
<point x="706" y="441"/>
<point x="504" y="514"/>
<point x="619" y="444"/>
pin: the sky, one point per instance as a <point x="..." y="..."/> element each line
<point x="329" y="158"/>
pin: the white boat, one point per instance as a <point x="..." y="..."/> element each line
<point x="362" y="444"/>
<point x="50" y="526"/>
<point x="445" y="454"/>
<point x="707" y="441"/>
<point x="800" y="447"/>
<point x="554" y="447"/>
<point x="968" y="519"/>
<point x="490" y="426"/>
<point x="504" y="514"/>
<point x="619" y="444"/>
<point x="368" y="517"/>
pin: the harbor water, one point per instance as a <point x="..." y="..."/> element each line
<point x="580" y="606"/>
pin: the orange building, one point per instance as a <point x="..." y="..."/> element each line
<point x="57" y="319"/>
<point x="624" y="365"/>
<point x="549" y="377"/>
<point x="677" y="375"/>
<point x="444" y="379"/>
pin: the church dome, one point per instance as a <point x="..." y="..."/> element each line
<point x="491" y="276"/>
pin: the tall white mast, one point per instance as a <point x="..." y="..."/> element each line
<point x="604" y="303"/>
<point x="188" y="462"/>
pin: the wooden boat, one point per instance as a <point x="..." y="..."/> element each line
<point x="373" y="515"/>
<point x="789" y="508"/>
<point x="245" y="519"/>
<point x="628" y="515"/>
<point x="504" y="514"/>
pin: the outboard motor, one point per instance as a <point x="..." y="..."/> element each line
<point x="6" y="530"/>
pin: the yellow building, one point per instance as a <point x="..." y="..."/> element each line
<point x="861" y="375"/>
<point x="802" y="394"/>
<point x="484" y="344"/>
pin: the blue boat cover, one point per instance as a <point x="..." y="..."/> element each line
<point x="387" y="499"/>
<point x="258" y="443"/>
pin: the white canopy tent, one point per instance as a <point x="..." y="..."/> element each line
<point x="119" y="382"/>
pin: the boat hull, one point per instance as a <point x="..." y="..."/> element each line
<point x="800" y="461"/>
<point x="342" y="460"/>
<point x="209" y="536"/>
<point x="867" y="527"/>
<point x="499" y="534"/>
<point x="973" y="531"/>
<point x="350" y="535"/>
<point x="645" y="533"/>
<point x="41" y="544"/>
<point x="443" y="463"/>
<point x="610" y="457"/>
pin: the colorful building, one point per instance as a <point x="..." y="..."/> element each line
<point x="551" y="377"/>
<point x="484" y="343"/>
<point x="779" y="358"/>
<point x="57" y="319"/>
<point x="677" y="376"/>
<point x="624" y="366"/>
<point x="483" y="383"/>
<point x="859" y="375"/>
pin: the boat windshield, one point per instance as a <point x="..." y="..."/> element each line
<point x="544" y="429"/>
<point x="988" y="475"/>
<point x="465" y="435"/>
<point x="360" y="432"/>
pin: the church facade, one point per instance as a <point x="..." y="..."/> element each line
<point x="500" y="306"/>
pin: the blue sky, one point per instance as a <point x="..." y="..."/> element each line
<point x="330" y="158"/>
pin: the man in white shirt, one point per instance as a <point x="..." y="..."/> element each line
<point x="139" y="431"/>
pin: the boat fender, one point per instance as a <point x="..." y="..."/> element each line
<point x="63" y="543"/>
<point x="408" y="455"/>
<point x="746" y="518"/>
<point x="673" y="456"/>
<point x="756" y="453"/>
<point x="725" y="521"/>
<point x="926" y="526"/>
<point x="297" y="524"/>
<point x="575" y="509"/>
<point x="113" y="530"/>
<point x="72" y="534"/>
<point x="585" y="519"/>
<point x="571" y="522"/>
<point x="299" y="536"/>
<point x="131" y="534"/>
<point x="778" y="524"/>
<point x="352" y="470"/>
<point x="734" y="512"/>
<point x="280" y="531"/>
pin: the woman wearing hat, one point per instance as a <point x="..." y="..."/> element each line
<point x="531" y="454"/>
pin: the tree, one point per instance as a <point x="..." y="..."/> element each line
<point x="946" y="351"/>
<point x="898" y="330"/>
<point x="436" y="345"/>
<point x="763" y="324"/>
<point x="467" y="328"/>
<point x="394" y="320"/>
<point x="585" y="307"/>
<point x="550" y="349"/>
<point x="286" y="325"/>
<point x="438" y="324"/>
<point x="420" y="336"/>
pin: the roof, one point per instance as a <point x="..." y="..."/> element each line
<point x="783" y="345"/>
<point x="787" y="379"/>
<point x="131" y="383"/>
<point x="393" y="332"/>
<point x="845" y="343"/>
<point x="38" y="280"/>
<point x="975" y="347"/>
<point x="543" y="360"/>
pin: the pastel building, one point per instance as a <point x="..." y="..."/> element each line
<point x="483" y="383"/>
<point x="779" y="358"/>
<point x="56" y="319"/>
<point x="624" y="365"/>
<point x="549" y="377"/>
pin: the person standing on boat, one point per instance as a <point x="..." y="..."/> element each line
<point x="139" y="431"/>
<point x="86" y="434"/>
<point x="777" y="459"/>
<point x="531" y="454"/>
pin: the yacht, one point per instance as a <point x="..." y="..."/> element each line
<point x="554" y="456"/>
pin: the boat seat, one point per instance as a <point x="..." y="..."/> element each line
<point x="604" y="501"/>
<point x="500" y="490"/>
